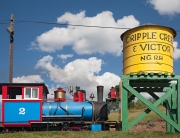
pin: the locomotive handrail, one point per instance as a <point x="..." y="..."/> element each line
<point x="82" y="113"/>
<point x="59" y="104"/>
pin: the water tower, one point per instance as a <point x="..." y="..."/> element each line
<point x="148" y="67"/>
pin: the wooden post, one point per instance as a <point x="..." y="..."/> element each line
<point x="11" y="32"/>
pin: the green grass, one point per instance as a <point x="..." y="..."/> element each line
<point x="132" y="114"/>
<point x="151" y="116"/>
<point x="113" y="116"/>
<point x="104" y="134"/>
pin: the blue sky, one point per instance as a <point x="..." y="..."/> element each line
<point x="61" y="55"/>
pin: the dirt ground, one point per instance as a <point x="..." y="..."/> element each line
<point x="150" y="126"/>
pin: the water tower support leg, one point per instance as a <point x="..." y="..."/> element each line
<point x="178" y="102"/>
<point x="168" y="113"/>
<point x="161" y="83"/>
<point x="174" y="109"/>
<point x="124" y="109"/>
<point x="148" y="110"/>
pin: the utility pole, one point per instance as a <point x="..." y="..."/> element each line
<point x="11" y="32"/>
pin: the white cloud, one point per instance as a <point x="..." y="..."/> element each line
<point x="166" y="7"/>
<point x="176" y="50"/>
<point x="86" y="40"/>
<point x="33" y="44"/>
<point x="65" y="56"/>
<point x="28" y="79"/>
<point x="80" y="72"/>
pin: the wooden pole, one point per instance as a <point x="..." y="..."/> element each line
<point x="11" y="31"/>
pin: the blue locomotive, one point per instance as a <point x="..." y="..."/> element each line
<point x="25" y="105"/>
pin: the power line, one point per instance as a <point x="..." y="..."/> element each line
<point x="70" y="24"/>
<point x="4" y="23"/>
<point x="67" y="24"/>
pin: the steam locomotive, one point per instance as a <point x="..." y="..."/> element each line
<point x="26" y="106"/>
<point x="76" y="112"/>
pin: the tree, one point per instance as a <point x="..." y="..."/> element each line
<point x="113" y="105"/>
<point x="131" y="103"/>
<point x="139" y="104"/>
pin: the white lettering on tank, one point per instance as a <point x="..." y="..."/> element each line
<point x="22" y="111"/>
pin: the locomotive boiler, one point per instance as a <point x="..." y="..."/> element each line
<point x="79" y="109"/>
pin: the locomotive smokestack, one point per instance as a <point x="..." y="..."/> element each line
<point x="100" y="93"/>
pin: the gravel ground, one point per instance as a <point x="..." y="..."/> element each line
<point x="150" y="126"/>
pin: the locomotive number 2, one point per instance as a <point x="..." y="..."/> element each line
<point x="22" y="111"/>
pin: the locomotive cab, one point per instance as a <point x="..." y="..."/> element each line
<point x="22" y="103"/>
